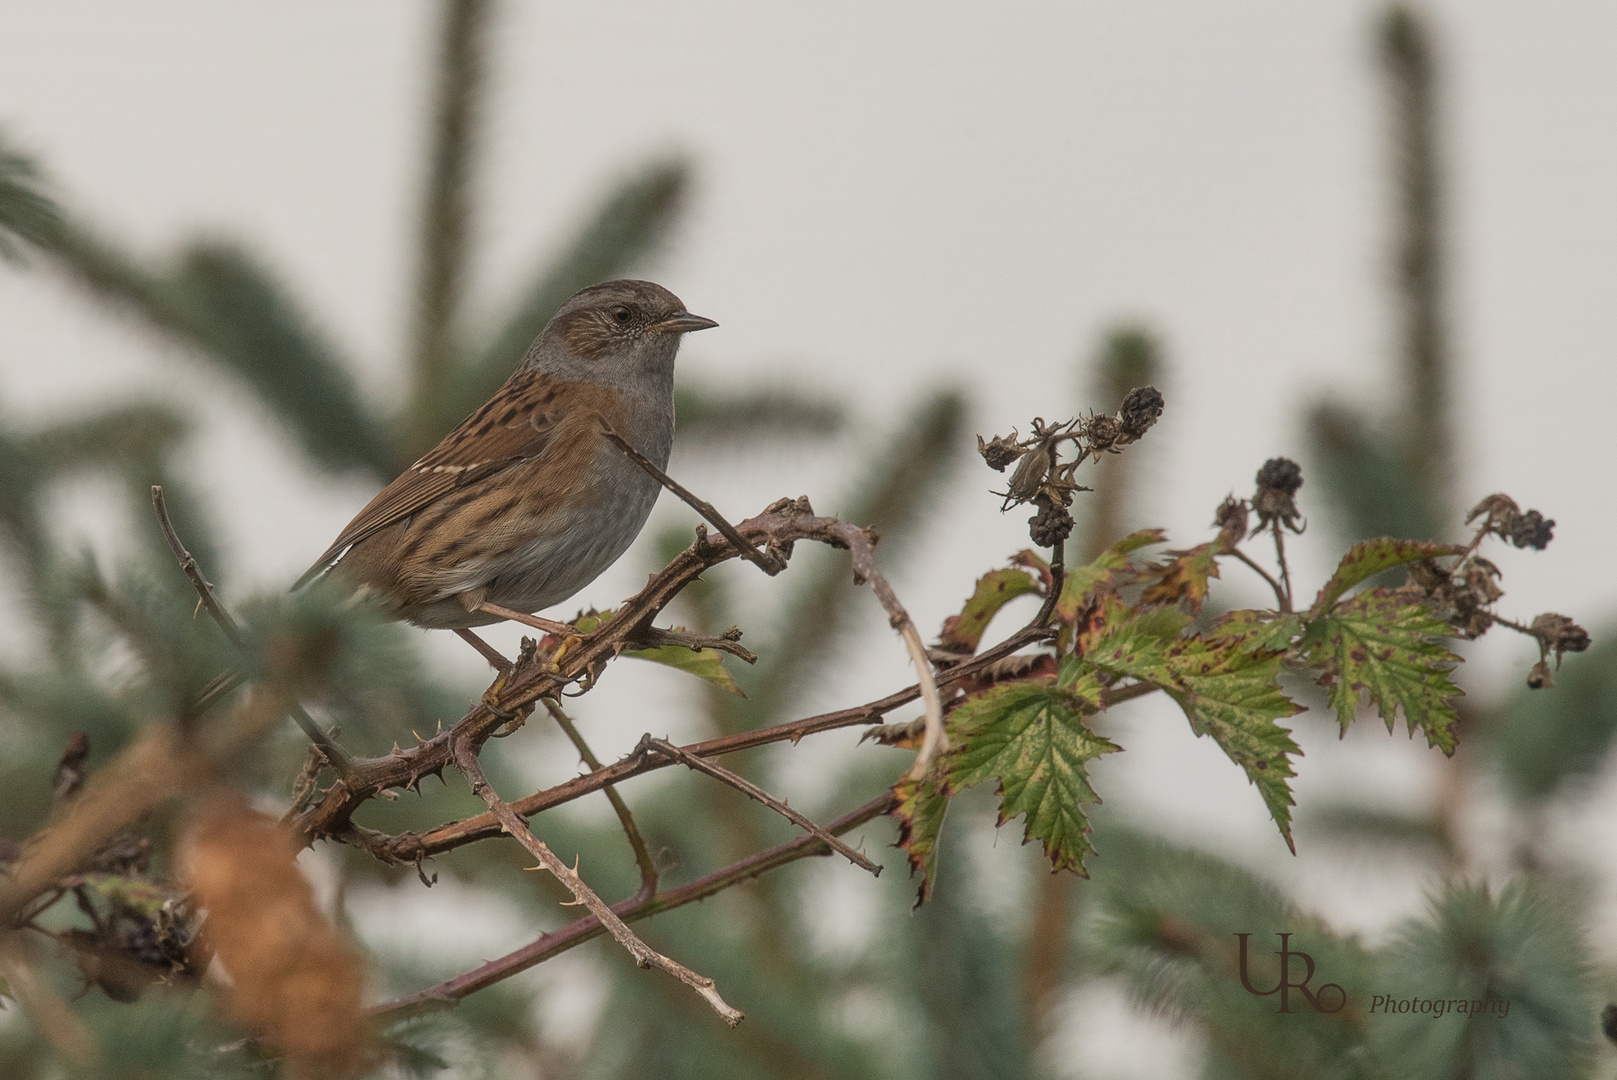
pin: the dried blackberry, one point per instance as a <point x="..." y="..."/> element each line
<point x="1140" y="410"/>
<point x="1274" y="500"/>
<point x="1051" y="525"/>
<point x="1530" y="530"/>
<point x="1280" y="473"/>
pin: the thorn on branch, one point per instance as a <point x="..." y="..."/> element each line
<point x="339" y="758"/>
<point x="465" y="756"/>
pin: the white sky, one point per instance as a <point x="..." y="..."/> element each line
<point x="888" y="195"/>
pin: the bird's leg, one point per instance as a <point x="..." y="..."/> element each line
<point x="549" y="626"/>
<point x="567" y="632"/>
<point x="488" y="652"/>
<point x="502" y="667"/>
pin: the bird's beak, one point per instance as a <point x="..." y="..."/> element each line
<point x="682" y="323"/>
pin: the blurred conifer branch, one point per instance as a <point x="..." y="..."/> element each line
<point x="1021" y="711"/>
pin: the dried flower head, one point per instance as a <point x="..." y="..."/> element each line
<point x="1282" y="474"/>
<point x="1504" y="518"/>
<point x="1030" y="473"/>
<point x="999" y="451"/>
<point x="1231" y="518"/>
<point x="1558" y="634"/>
<point x="1104" y="435"/>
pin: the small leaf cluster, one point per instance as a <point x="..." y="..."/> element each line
<point x="1123" y="626"/>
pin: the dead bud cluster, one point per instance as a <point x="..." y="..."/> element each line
<point x="1043" y="479"/>
<point x="1464" y="593"/>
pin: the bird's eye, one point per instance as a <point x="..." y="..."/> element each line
<point x="621" y="314"/>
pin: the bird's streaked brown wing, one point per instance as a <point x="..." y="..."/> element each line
<point x="519" y="422"/>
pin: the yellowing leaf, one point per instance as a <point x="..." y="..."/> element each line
<point x="921" y="806"/>
<point x="1234" y="695"/>
<point x="1368" y="558"/>
<point x="964" y="632"/>
<point x="1030" y="737"/>
<point x="1254" y="631"/>
<point x="1384" y="646"/>
<point x="1081" y="583"/>
<point x="705" y="664"/>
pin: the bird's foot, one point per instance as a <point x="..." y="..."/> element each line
<point x="568" y="641"/>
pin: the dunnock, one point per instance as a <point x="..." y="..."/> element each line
<point x="526" y="502"/>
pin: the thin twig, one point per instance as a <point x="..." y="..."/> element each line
<point x="758" y="794"/>
<point x="1285" y="571"/>
<point x="653" y="637"/>
<point x="340" y="759"/>
<point x="644" y="955"/>
<point x="193" y="570"/>
<point x="642" y="857"/>
<point x="1280" y="596"/>
<point x="861" y="544"/>
<point x="446" y="994"/>
<point x="766" y="561"/>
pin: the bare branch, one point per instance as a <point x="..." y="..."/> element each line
<point x="767" y="561"/>
<point x="779" y="526"/>
<point x="861" y="545"/>
<point x="446" y="994"/>
<point x="193" y="570"/>
<point x="340" y="759"/>
<point x="645" y="956"/>
<point x="642" y="857"/>
<point x="758" y="794"/>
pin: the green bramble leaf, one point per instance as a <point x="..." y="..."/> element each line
<point x="1135" y="643"/>
<point x="1368" y="558"/>
<point x="137" y="895"/>
<point x="1254" y="631"/>
<point x="964" y="632"/>
<point x="1227" y="683"/>
<point x="1183" y="577"/>
<point x="921" y="806"/>
<point x="705" y="664"/>
<point x="1030" y="736"/>
<point x="1081" y="583"/>
<point x="1234" y="695"/>
<point x="1383" y="645"/>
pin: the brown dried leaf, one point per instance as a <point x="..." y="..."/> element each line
<point x="292" y="978"/>
<point x="1183" y="577"/>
